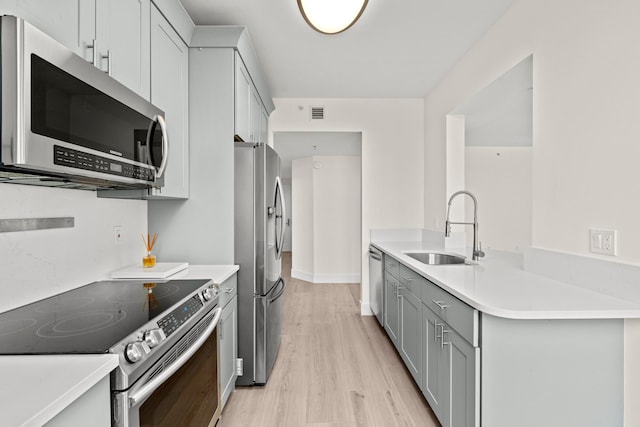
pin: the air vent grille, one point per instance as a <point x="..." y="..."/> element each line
<point x="317" y="113"/>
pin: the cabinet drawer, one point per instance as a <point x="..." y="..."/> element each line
<point x="391" y="266"/>
<point x="460" y="316"/>
<point x="228" y="289"/>
<point x="411" y="280"/>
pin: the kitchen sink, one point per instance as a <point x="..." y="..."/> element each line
<point x="436" y="258"/>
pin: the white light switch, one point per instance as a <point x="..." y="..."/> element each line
<point x="604" y="241"/>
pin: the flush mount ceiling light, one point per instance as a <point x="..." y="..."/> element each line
<point x="331" y="16"/>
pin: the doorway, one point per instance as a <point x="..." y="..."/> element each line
<point x="321" y="174"/>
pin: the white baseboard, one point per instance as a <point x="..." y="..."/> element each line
<point x="365" y="309"/>
<point x="325" y="278"/>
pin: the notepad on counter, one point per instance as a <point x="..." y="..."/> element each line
<point x="161" y="270"/>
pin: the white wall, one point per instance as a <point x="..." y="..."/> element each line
<point x="585" y="134"/>
<point x="331" y="226"/>
<point x="392" y="153"/>
<point x="302" y="256"/>
<point x="41" y="263"/>
<point x="500" y="177"/>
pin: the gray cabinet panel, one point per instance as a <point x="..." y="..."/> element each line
<point x="464" y="381"/>
<point x="228" y="348"/>
<point x="392" y="266"/>
<point x="411" y="333"/>
<point x="434" y="364"/>
<point x="123" y="34"/>
<point x="170" y="92"/>
<point x="391" y="309"/>
<point x="410" y="279"/>
<point x="462" y="317"/>
<point x="71" y="22"/>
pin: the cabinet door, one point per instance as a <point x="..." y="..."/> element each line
<point x="411" y="333"/>
<point x="243" y="87"/>
<point x="228" y="348"/>
<point x="264" y="126"/>
<point x="255" y="116"/>
<point x="123" y="34"/>
<point x="435" y="366"/>
<point x="464" y="362"/>
<point x="391" y="311"/>
<point x="71" y="22"/>
<point x="170" y="93"/>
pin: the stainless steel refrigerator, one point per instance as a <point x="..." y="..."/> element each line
<point x="259" y="234"/>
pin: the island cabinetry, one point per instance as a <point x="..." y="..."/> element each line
<point x="228" y="333"/>
<point x="451" y="374"/>
<point x="410" y="330"/>
<point x="391" y="308"/>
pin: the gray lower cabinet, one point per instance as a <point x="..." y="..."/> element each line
<point x="391" y="308"/>
<point x="433" y="364"/>
<point x="228" y="334"/>
<point x="410" y="342"/>
<point x="451" y="370"/>
<point x="534" y="372"/>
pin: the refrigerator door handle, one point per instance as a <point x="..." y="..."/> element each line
<point x="280" y="292"/>
<point x="282" y="216"/>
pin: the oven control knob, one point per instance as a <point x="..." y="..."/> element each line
<point x="153" y="337"/>
<point x="135" y="351"/>
<point x="209" y="293"/>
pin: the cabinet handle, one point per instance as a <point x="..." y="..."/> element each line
<point x="108" y="58"/>
<point x="442" y="343"/>
<point x="440" y="304"/>
<point x="227" y="290"/>
<point x="94" y="56"/>
<point x="408" y="279"/>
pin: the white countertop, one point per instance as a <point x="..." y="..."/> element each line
<point x="498" y="285"/>
<point x="34" y="389"/>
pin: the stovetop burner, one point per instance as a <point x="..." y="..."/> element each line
<point x="89" y="319"/>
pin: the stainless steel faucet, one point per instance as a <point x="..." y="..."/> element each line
<point x="477" y="248"/>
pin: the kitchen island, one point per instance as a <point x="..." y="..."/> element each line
<point x="492" y="344"/>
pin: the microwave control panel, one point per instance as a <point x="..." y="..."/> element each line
<point x="80" y="160"/>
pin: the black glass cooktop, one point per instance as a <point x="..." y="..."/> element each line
<point x="89" y="319"/>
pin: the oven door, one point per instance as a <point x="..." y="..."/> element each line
<point x="184" y="386"/>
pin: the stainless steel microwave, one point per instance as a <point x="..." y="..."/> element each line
<point x="66" y="123"/>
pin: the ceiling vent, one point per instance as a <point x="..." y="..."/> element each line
<point x="317" y="113"/>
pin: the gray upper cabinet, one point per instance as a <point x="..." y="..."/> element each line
<point x="122" y="42"/>
<point x="249" y="112"/>
<point x="411" y="333"/>
<point x="170" y="93"/>
<point x="111" y="34"/>
<point x="243" y="96"/>
<point x="71" y="22"/>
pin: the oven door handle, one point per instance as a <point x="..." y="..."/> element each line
<point x="145" y="391"/>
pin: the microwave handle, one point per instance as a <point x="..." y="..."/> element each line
<point x="165" y="146"/>
<point x="146" y="390"/>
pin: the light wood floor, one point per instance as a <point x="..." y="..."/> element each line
<point x="335" y="368"/>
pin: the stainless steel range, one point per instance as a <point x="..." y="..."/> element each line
<point x="164" y="334"/>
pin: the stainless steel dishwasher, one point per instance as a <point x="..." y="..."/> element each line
<point x="376" y="273"/>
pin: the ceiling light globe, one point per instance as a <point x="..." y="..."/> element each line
<point x="331" y="16"/>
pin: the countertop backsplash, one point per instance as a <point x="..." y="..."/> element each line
<point x="37" y="264"/>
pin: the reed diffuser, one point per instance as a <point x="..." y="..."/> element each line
<point x="150" y="260"/>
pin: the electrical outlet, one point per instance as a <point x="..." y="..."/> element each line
<point x="117" y="234"/>
<point x="604" y="241"/>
